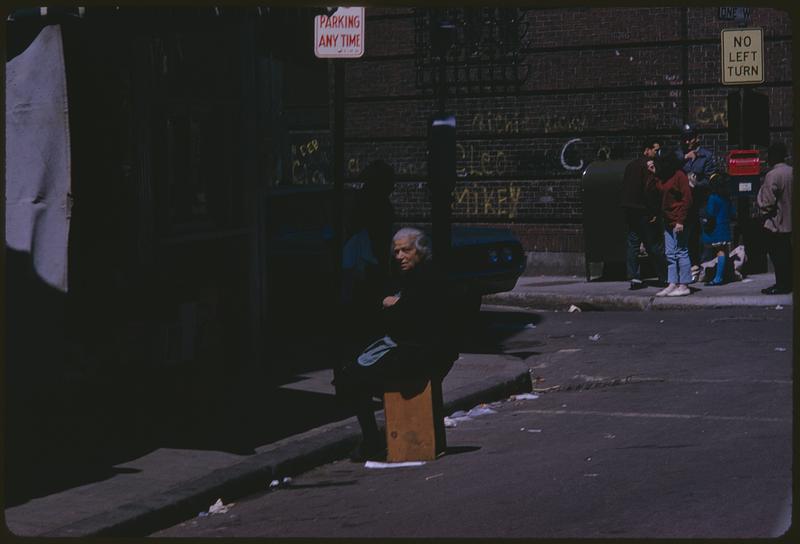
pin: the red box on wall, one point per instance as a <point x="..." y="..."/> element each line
<point x="744" y="162"/>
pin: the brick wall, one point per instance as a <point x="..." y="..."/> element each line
<point x="599" y="80"/>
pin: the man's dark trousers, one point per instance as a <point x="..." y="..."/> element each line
<point x="640" y="229"/>
<point x="779" y="247"/>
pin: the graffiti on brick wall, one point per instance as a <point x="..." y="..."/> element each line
<point x="514" y="123"/>
<point x="573" y="160"/>
<point x="497" y="123"/>
<point x="486" y="163"/>
<point x="709" y="115"/>
<point x="562" y="123"/>
<point x="353" y="167"/>
<point x="496" y="200"/>
<point x="406" y="168"/>
<point x="574" y="155"/>
<point x="310" y="159"/>
<point x="401" y="168"/>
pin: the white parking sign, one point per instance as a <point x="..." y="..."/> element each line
<point x="340" y="35"/>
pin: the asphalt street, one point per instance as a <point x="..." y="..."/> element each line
<point x="645" y="424"/>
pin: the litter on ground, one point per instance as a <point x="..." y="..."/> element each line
<point x="574" y="308"/>
<point x="779" y="307"/>
<point x="219" y="508"/>
<point x="547" y="389"/>
<point x="276" y="483"/>
<point x="525" y="396"/>
<point x="594" y="337"/>
<point x="378" y="464"/>
<point x="461" y="415"/>
<point x="780" y="349"/>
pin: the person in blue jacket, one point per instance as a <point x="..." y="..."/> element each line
<point x="715" y="219"/>
<point x="699" y="163"/>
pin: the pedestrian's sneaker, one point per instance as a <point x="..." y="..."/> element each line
<point x="680" y="291"/>
<point x="667" y="290"/>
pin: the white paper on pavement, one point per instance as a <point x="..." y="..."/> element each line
<point x="377" y="464"/>
<point x="219" y="508"/>
<point x="526" y="396"/>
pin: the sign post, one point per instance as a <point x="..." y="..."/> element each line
<point x="742" y="62"/>
<point x="339" y="35"/>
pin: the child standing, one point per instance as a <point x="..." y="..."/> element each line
<point x="676" y="199"/>
<point x="716" y="222"/>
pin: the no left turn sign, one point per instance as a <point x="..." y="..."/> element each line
<point x="742" y="56"/>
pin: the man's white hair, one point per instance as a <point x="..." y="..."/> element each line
<point x="421" y="240"/>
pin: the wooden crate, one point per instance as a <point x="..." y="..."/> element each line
<point x="414" y="420"/>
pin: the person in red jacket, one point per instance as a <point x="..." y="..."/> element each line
<point x="676" y="199"/>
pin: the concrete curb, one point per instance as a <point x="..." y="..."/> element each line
<point x="289" y="456"/>
<point x="553" y="301"/>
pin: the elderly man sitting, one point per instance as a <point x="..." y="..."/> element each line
<point x="415" y="341"/>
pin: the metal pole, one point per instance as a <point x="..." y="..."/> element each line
<point x="338" y="170"/>
<point x="741" y="117"/>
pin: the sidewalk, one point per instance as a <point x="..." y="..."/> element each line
<point x="561" y="292"/>
<point x="168" y="485"/>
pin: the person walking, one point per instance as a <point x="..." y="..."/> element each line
<point x="699" y="164"/>
<point x="774" y="201"/>
<point x="676" y="200"/>
<point x="715" y="220"/>
<point x="641" y="206"/>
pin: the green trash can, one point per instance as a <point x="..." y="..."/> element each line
<point x="604" y="228"/>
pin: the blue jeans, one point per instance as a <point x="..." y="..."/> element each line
<point x="676" y="249"/>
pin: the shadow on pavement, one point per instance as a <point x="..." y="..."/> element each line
<point x="458" y="450"/>
<point x="61" y="438"/>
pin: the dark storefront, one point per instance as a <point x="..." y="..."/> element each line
<point x="178" y="131"/>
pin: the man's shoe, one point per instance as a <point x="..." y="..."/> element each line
<point x="680" y="291"/>
<point x="373" y="449"/>
<point x="664" y="292"/>
<point x="775" y="290"/>
<point x="636" y="285"/>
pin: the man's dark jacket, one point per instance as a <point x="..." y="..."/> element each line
<point x="635" y="194"/>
